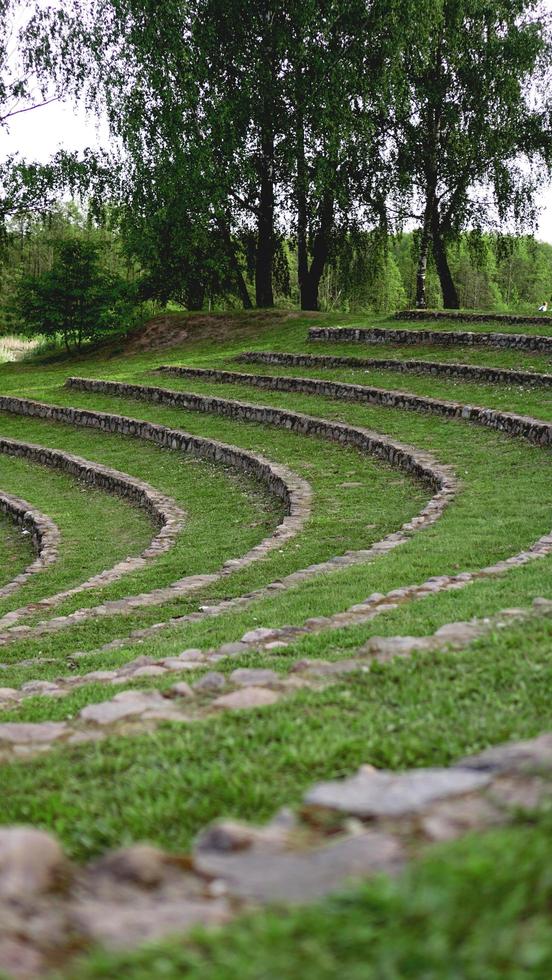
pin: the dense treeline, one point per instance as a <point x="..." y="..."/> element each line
<point x="366" y="271"/>
<point x="275" y="152"/>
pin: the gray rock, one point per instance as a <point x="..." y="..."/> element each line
<point x="265" y="873"/>
<point x="459" y="634"/>
<point x="26" y="733"/>
<point x="175" y="664"/>
<point x="9" y="694"/>
<point x="149" y="671"/>
<point x="232" y="649"/>
<point x="31" y="863"/>
<point x="182" y="690"/>
<point x="100" y="675"/>
<point x="535" y="753"/>
<point x="212" y="681"/>
<point x="245" y="676"/>
<point x="126" y="704"/>
<point x="191" y="654"/>
<point x="257" y="635"/>
<point x="372" y="793"/>
<point x="393" y="646"/>
<point x="120" y="924"/>
<point x="248" y="697"/>
<point x="38" y="687"/>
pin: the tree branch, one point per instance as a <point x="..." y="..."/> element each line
<point x="29" y="108"/>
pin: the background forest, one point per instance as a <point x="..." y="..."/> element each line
<point x="366" y="272"/>
<point x="331" y="155"/>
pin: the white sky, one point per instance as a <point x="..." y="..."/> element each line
<point x="38" y="134"/>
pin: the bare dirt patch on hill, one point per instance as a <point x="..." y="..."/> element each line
<point x="174" y="329"/>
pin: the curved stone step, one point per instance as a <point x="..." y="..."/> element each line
<point x="464" y="316"/>
<point x="44" y="533"/>
<point x="162" y="510"/>
<point x="445" y="369"/>
<point x="529" y="428"/>
<point x="443" y="338"/>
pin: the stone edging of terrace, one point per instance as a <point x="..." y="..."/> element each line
<point x="162" y="510"/>
<point x="452" y="369"/>
<point x="417" y="463"/>
<point x="294" y="491"/>
<point x="357" y="615"/>
<point x="372" y="822"/>
<point x="452" y="636"/>
<point x="515" y="425"/>
<point x="44" y="533"/>
<point x="361" y="612"/>
<point x="382" y="335"/>
<point x="466" y="317"/>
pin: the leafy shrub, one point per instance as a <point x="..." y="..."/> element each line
<point x="76" y="299"/>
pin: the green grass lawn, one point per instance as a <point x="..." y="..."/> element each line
<point x="424" y="711"/>
<point x="476" y="910"/>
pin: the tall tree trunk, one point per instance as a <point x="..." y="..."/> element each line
<point x="432" y="116"/>
<point x="309" y="276"/>
<point x="423" y="255"/>
<point x="241" y="286"/>
<point x="448" y="289"/>
<point x="264" y="295"/>
<point x="320" y="252"/>
<point x="301" y="199"/>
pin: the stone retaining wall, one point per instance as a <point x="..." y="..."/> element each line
<point x="295" y="493"/>
<point x="516" y="425"/>
<point x="467" y="372"/>
<point x="43" y="532"/>
<point x="160" y="435"/>
<point x="444" y="338"/>
<point x="162" y="510"/>
<point x="463" y="317"/>
<point x="419" y="464"/>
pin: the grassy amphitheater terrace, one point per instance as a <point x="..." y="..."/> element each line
<point x="275" y="652"/>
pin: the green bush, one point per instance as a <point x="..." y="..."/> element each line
<point x="76" y="299"/>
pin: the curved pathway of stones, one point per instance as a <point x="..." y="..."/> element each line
<point x="446" y="369"/>
<point x="162" y="510"/>
<point x="44" y="533"/>
<point x="372" y="822"/>
<point x="282" y="482"/>
<point x="420" y="464"/>
<point x="133" y="710"/>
